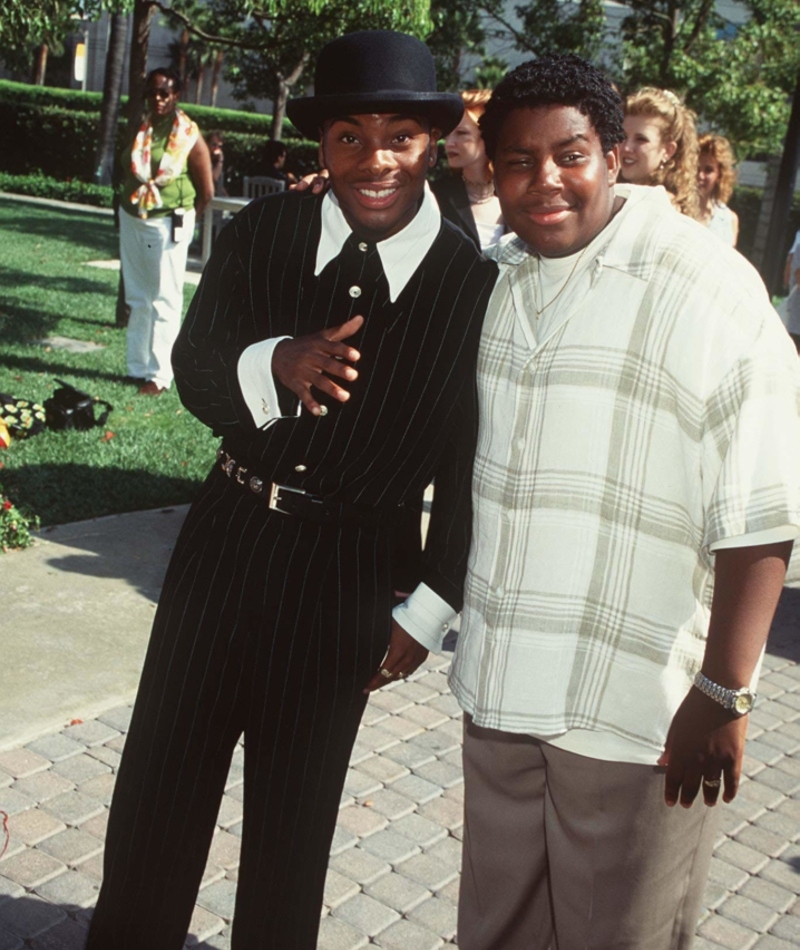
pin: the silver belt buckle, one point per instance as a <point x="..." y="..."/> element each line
<point x="274" y="498"/>
<point x="272" y="501"/>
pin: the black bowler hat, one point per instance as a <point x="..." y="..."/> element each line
<point x="375" y="71"/>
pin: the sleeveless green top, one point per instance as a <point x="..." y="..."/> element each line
<point x="179" y="193"/>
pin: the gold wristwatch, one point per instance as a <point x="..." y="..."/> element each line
<point x="737" y="701"/>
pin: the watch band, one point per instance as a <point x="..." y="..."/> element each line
<point x="738" y="701"/>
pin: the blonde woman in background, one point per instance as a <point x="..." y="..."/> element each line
<point x="715" y="180"/>
<point x="467" y="198"/>
<point x="660" y="146"/>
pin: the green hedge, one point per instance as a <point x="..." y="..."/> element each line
<point x="42" y="186"/>
<point x="56" y="141"/>
<point x="56" y="133"/>
<point x="73" y="100"/>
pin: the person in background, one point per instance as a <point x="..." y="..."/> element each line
<point x="275" y="155"/>
<point x="660" y="146"/>
<point x="166" y="182"/>
<point x="716" y="177"/>
<point x="788" y="279"/>
<point x="467" y="198"/>
<point x="792" y="278"/>
<point x="215" y="147"/>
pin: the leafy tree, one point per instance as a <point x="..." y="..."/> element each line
<point x="28" y="32"/>
<point x="544" y="26"/>
<point x="458" y="35"/>
<point x="738" y="79"/>
<point x="269" y="52"/>
<point x="490" y="72"/>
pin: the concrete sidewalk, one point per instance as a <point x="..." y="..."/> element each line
<point x="78" y="608"/>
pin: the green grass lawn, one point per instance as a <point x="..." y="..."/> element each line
<point x="158" y="453"/>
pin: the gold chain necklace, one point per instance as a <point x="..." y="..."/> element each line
<point x="563" y="287"/>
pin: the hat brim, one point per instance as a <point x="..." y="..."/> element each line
<point x="442" y="109"/>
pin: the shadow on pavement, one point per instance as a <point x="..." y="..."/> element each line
<point x="52" y="926"/>
<point x="135" y="548"/>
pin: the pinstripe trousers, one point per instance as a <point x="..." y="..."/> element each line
<point x="270" y="627"/>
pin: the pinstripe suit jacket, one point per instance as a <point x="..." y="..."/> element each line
<point x="412" y="413"/>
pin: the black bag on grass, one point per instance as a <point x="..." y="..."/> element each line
<point x="69" y="408"/>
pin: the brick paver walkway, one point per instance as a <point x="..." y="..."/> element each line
<point x="393" y="873"/>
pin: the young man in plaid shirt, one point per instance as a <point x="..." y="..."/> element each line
<point x="636" y="498"/>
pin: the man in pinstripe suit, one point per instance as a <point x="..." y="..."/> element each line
<point x="332" y="345"/>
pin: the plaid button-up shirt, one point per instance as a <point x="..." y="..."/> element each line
<point x="654" y="415"/>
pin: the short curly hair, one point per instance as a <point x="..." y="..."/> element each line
<point x="718" y="148"/>
<point x="558" y="79"/>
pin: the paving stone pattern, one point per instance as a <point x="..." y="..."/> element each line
<point x="393" y="874"/>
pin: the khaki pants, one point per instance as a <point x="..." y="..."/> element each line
<point x="575" y="853"/>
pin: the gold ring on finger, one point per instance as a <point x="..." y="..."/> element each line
<point x="386" y="674"/>
<point x="712" y="782"/>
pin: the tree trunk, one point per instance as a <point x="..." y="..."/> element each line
<point x="772" y="262"/>
<point x="219" y="59"/>
<point x="40" y="65"/>
<point x="143" y="11"/>
<point x="183" y="48"/>
<point x="279" y="109"/>
<point x="198" y="92"/>
<point x="283" y="88"/>
<point x="670" y="38"/>
<point x="765" y="213"/>
<point x="109" y="109"/>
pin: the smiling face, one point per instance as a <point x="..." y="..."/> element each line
<point x="377" y="166"/>
<point x="707" y="175"/>
<point x="160" y="96"/>
<point x="643" y="150"/>
<point x="554" y="182"/>
<point x="464" y="145"/>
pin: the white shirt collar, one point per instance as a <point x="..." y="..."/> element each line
<point x="401" y="254"/>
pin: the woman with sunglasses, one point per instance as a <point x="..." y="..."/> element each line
<point x="166" y="182"/>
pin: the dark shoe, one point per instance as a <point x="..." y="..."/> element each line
<point x="151" y="388"/>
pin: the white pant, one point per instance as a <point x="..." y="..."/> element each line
<point x="153" y="268"/>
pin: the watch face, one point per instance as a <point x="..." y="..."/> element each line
<point x="743" y="703"/>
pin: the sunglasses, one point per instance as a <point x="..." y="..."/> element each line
<point x="158" y="93"/>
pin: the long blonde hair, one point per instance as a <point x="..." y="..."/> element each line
<point x="677" y="123"/>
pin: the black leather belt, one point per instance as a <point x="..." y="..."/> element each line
<point x="305" y="505"/>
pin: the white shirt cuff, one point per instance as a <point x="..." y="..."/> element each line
<point x="257" y="383"/>
<point x="426" y="617"/>
<point x="786" y="532"/>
